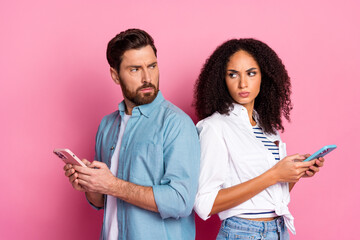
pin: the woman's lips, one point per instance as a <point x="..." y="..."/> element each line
<point x="244" y="94"/>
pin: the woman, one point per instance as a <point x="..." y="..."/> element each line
<point x="245" y="177"/>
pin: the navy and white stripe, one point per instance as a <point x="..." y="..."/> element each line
<point x="274" y="150"/>
<point x="271" y="146"/>
<point x="259" y="213"/>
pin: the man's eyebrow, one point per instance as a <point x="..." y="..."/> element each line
<point x="139" y="66"/>
<point x="152" y="63"/>
<point x="133" y="66"/>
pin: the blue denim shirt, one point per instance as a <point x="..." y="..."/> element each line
<point x="160" y="148"/>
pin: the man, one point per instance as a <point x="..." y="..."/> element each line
<point x="145" y="172"/>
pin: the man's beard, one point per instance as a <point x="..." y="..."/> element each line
<point x="140" y="98"/>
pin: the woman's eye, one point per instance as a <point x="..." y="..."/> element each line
<point x="232" y="75"/>
<point x="251" y="74"/>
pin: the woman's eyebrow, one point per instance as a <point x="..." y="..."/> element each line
<point x="251" y="69"/>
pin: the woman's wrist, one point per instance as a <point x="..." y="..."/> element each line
<point x="272" y="177"/>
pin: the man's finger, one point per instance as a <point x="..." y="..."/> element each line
<point x="84" y="177"/>
<point x="73" y="177"/>
<point x="69" y="172"/>
<point x="86" y="162"/>
<point x="96" y="164"/>
<point x="82" y="183"/>
<point x="83" y="170"/>
<point x="67" y="166"/>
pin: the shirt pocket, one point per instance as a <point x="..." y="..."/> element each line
<point x="146" y="163"/>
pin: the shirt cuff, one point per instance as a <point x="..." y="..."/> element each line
<point x="93" y="206"/>
<point x="204" y="204"/>
<point x="169" y="202"/>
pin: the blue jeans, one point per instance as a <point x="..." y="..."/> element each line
<point x="239" y="228"/>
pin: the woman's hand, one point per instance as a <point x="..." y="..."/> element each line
<point x="319" y="162"/>
<point x="291" y="168"/>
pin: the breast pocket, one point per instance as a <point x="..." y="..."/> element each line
<point x="146" y="163"/>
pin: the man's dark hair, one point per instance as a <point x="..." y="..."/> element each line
<point x="273" y="101"/>
<point x="126" y="40"/>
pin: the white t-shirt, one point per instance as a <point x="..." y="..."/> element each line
<point x="232" y="154"/>
<point x="111" y="230"/>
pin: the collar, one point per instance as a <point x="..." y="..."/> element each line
<point x="145" y="109"/>
<point x="240" y="111"/>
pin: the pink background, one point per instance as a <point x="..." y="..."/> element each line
<point x="56" y="87"/>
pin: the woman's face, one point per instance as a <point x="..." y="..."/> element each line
<point x="243" y="79"/>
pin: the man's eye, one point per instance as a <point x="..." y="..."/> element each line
<point x="134" y="69"/>
<point x="153" y="66"/>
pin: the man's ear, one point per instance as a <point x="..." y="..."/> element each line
<point x="115" y="76"/>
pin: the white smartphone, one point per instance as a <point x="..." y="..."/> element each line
<point x="68" y="157"/>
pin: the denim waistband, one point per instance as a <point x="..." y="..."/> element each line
<point x="253" y="226"/>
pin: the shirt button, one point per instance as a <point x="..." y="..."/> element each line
<point x="112" y="148"/>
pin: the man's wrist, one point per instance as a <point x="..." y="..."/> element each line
<point x="115" y="187"/>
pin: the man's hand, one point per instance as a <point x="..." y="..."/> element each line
<point x="97" y="178"/>
<point x="71" y="173"/>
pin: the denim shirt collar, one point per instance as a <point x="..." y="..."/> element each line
<point x="145" y="109"/>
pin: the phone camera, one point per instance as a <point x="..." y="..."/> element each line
<point x="60" y="155"/>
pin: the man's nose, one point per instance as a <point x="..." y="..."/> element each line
<point x="146" y="77"/>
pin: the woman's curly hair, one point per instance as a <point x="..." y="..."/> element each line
<point x="273" y="101"/>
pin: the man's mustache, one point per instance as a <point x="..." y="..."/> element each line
<point x="146" y="85"/>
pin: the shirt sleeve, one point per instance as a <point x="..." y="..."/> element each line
<point x="93" y="206"/>
<point x="213" y="168"/>
<point x="97" y="158"/>
<point x="175" y="195"/>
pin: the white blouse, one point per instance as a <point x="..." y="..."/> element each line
<point x="231" y="154"/>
